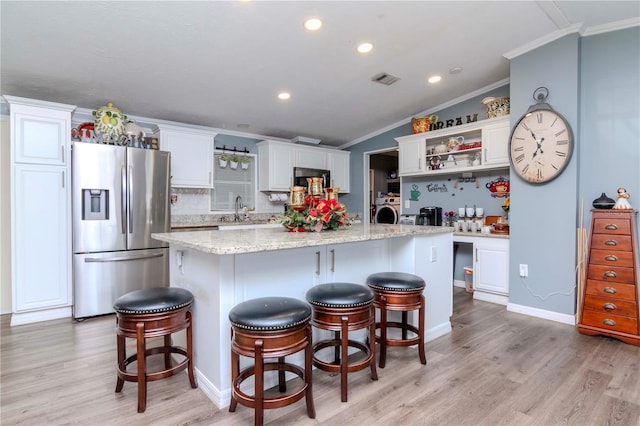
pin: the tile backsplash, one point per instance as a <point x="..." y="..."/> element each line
<point x="194" y="201"/>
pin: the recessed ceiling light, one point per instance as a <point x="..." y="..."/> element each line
<point x="313" y="24"/>
<point x="283" y="96"/>
<point x="455" y="70"/>
<point x="365" y="47"/>
<point x="434" y="79"/>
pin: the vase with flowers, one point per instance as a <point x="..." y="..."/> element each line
<point x="314" y="215"/>
<point x="449" y="218"/>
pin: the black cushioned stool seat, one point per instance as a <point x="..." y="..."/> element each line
<point x="270" y="327"/>
<point x="343" y="307"/>
<point x="398" y="291"/>
<point x="153" y="312"/>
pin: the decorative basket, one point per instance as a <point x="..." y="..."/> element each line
<point x="497" y="107"/>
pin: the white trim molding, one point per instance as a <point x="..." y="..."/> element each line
<point x="541" y="313"/>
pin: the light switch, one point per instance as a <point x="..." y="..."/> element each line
<point x="432" y="254"/>
<point x="407" y="204"/>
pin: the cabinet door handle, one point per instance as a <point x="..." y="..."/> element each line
<point x="485" y="155"/>
<point x="62" y="149"/>
<point x="611" y="243"/>
<point x="210" y="178"/>
<point x="611" y="258"/>
<point x="609" y="322"/>
<point x="63" y="178"/>
<point x="610" y="306"/>
<point x="610" y="290"/>
<point x="317" y="263"/>
<point x="609" y="274"/>
<point x="611" y="227"/>
<point x="333" y="260"/>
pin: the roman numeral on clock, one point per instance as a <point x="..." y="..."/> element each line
<point x="561" y="132"/>
<point x="525" y="169"/>
<point x="562" y="142"/>
<point x="539" y="116"/>
<point x="519" y="158"/>
<point x="561" y="154"/>
<point x="518" y="149"/>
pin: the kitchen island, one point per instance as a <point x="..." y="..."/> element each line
<point x="224" y="268"/>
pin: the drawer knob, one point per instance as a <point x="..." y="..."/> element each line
<point x="611" y="227"/>
<point x="611" y="258"/>
<point x="609" y="322"/>
<point x="609" y="306"/>
<point x="609" y="290"/>
<point x="610" y="274"/>
<point x="611" y="243"/>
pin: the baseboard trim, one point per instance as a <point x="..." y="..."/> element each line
<point x="220" y="399"/>
<point x="437" y="331"/>
<point x="459" y="283"/>
<point x="490" y="297"/>
<point x="20" y="318"/>
<point x="541" y="313"/>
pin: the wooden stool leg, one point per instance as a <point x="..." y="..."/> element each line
<point x="282" y="383"/>
<point x="142" y="367"/>
<point x="259" y="384"/>
<point x="308" y="369"/>
<point x="192" y="377"/>
<point x="344" y="358"/>
<point x="235" y="370"/>
<point x="423" y="358"/>
<point x="336" y="349"/>
<point x="383" y="331"/>
<point x="167" y="355"/>
<point x="404" y="325"/>
<point x="122" y="355"/>
<point x="372" y="343"/>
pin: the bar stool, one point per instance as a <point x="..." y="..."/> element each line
<point x="343" y="307"/>
<point x="153" y="312"/>
<point x="398" y="291"/>
<point x="270" y="327"/>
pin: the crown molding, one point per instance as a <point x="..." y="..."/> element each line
<point x="612" y="26"/>
<point x="426" y="112"/>
<point x="555" y="35"/>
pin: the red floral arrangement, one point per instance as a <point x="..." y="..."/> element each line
<point x="316" y="215"/>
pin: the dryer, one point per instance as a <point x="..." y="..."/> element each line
<point x="387" y="210"/>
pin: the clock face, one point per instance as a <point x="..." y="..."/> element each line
<point x="540" y="146"/>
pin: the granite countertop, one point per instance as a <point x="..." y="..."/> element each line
<point x="268" y="239"/>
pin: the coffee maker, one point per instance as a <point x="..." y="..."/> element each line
<point x="431" y="216"/>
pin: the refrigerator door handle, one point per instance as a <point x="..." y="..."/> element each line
<point x="123" y="203"/>
<point x="130" y="203"/>
<point x="121" y="259"/>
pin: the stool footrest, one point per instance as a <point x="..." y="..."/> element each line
<point x="150" y="377"/>
<point x="332" y="367"/>
<point x="272" y="402"/>
<point x="400" y="342"/>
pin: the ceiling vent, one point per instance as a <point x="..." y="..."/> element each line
<point x="384" y="78"/>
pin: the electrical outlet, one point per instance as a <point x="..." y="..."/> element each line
<point x="524" y="270"/>
<point x="407" y="204"/>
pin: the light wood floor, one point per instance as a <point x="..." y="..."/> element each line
<point x="495" y="368"/>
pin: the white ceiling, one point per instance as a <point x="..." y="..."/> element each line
<point x="220" y="64"/>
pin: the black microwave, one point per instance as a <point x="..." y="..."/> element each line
<point x="300" y="175"/>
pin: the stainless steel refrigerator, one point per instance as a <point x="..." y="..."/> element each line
<point x="120" y="197"/>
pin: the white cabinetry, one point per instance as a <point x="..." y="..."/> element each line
<point x="275" y="167"/>
<point x="191" y="155"/>
<point x="411" y="156"/>
<point x="491" y="267"/>
<point x="40" y="210"/>
<point x="487" y="142"/>
<point x="313" y="158"/>
<point x="338" y="163"/>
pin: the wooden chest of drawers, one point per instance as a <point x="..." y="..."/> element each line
<point x="610" y="300"/>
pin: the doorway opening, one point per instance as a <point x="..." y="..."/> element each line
<point x="381" y="177"/>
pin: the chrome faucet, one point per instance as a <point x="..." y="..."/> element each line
<point x="238" y="207"/>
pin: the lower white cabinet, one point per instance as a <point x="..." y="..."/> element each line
<point x="491" y="265"/>
<point x="191" y="155"/>
<point x="41" y="241"/>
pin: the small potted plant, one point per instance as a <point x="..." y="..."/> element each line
<point x="233" y="161"/>
<point x="222" y="160"/>
<point x="244" y="162"/>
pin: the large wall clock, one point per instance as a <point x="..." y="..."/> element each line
<point x="541" y="142"/>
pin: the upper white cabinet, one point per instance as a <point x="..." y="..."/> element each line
<point x="191" y="155"/>
<point x="483" y="145"/>
<point x="276" y="161"/>
<point x="313" y="158"/>
<point x="275" y="166"/>
<point x="40" y="210"/>
<point x="42" y="129"/>
<point x="338" y="164"/>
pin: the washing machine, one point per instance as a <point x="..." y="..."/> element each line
<point x="387" y="210"/>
